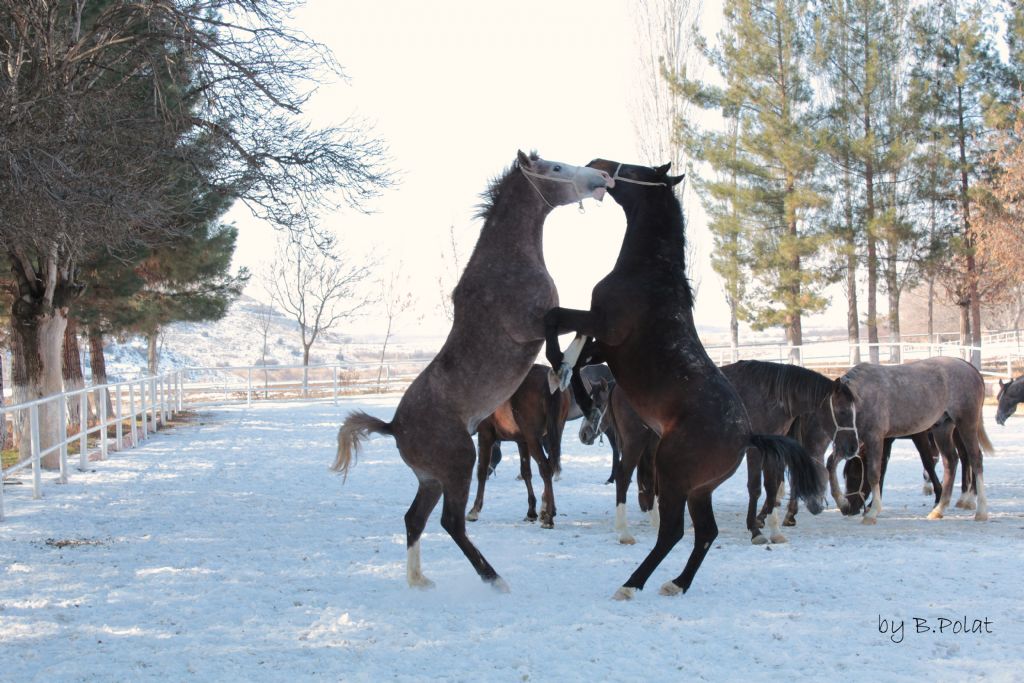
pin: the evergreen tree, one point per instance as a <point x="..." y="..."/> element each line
<point x="762" y="58"/>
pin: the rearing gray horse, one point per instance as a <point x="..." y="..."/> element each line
<point x="499" y="303"/>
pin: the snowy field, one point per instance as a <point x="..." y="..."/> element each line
<point x="225" y="550"/>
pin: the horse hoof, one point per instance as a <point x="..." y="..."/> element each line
<point x="759" y="540"/>
<point x="927" y="490"/>
<point x="498" y="584"/>
<point x="779" y="538"/>
<point x="624" y="593"/>
<point x="473" y="515"/>
<point x="670" y="588"/>
<point x="547" y="524"/>
<point x="421" y="583"/>
<point x="966" y="504"/>
<point x="789" y="521"/>
<point x="530" y="518"/>
<point x="626" y="539"/>
<point x="869" y="520"/>
<point x="981" y="517"/>
<point x="934" y="514"/>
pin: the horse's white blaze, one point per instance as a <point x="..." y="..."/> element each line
<point x="982" y="514"/>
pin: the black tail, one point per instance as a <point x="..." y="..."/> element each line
<point x="807" y="477"/>
<point x="554" y="426"/>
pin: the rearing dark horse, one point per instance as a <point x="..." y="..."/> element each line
<point x="641" y="317"/>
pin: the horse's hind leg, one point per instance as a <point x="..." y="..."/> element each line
<point x="755" y="467"/>
<point x="671" y="504"/>
<point x="968" y="442"/>
<point x="966" y="501"/>
<point x="485" y="441"/>
<point x="415" y="521"/>
<point x="526" y="474"/>
<point x="705" y="530"/>
<point x="547" y="505"/>
<point x="628" y="463"/>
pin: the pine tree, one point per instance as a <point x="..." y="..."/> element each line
<point x="766" y="101"/>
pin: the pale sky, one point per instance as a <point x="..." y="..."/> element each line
<point x="455" y="88"/>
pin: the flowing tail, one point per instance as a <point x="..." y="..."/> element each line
<point x="807" y="477"/>
<point x="353" y="432"/>
<point x="554" y="425"/>
<point x="986" y="445"/>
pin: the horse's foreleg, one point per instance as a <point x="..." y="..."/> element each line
<point x="623" y="477"/>
<point x="833" y="480"/>
<point x="873" y="463"/>
<point x="671" y="505"/>
<point x="547" y="505"/>
<point x="949" y="463"/>
<point x="559" y="321"/>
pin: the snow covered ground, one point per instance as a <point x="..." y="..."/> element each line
<point x="225" y="550"/>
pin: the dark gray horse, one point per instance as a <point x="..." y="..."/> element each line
<point x="499" y="303"/>
<point x="1010" y="394"/>
<point x="900" y="400"/>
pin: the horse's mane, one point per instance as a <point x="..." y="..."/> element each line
<point x="490" y="195"/>
<point x="791" y="385"/>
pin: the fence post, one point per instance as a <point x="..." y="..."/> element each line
<point x="248" y="390"/>
<point x="181" y="389"/>
<point x="83" y="436"/>
<point x="3" y="441"/>
<point x="103" y="422"/>
<point x="62" y="436"/>
<point x="154" y="406"/>
<point x="143" y="412"/>
<point x="37" y="475"/>
<point x="335" y="394"/>
<point x="131" y="412"/>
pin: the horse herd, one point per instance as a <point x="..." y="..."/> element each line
<point x="639" y="373"/>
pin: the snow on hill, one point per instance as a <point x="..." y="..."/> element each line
<point x="237" y="340"/>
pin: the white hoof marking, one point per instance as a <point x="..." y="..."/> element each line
<point x="670" y="588"/>
<point x="624" y="593"/>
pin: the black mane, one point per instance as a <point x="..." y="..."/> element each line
<point x="791" y="385"/>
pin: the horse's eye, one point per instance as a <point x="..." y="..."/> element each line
<point x="557" y="168"/>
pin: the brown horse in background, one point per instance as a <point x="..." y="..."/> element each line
<point x="499" y="304"/>
<point x="527" y="417"/>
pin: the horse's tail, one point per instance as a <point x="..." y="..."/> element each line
<point x="807" y="477"/>
<point x="986" y="445"/>
<point x="353" y="432"/>
<point x="554" y="425"/>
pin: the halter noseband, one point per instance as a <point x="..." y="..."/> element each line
<point x="616" y="177"/>
<point x="572" y="181"/>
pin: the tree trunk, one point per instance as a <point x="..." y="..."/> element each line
<point x="152" y="352"/>
<point x="892" y="288"/>
<point x="795" y="338"/>
<point x="965" y="323"/>
<point x="872" y="253"/>
<point x="734" y="331"/>
<point x="41" y="337"/>
<point x="5" y="442"/>
<point x="98" y="362"/>
<point x="71" y="369"/>
<point x="305" y="369"/>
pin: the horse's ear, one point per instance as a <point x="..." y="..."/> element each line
<point x="524" y="160"/>
<point x="1004" y="384"/>
<point x="663" y="169"/>
<point x="674" y="180"/>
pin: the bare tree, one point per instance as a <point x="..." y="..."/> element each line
<point x="450" y="274"/>
<point x="316" y="287"/>
<point x="104" y="107"/>
<point x="665" y="38"/>
<point x="264" y="317"/>
<point x="396" y="299"/>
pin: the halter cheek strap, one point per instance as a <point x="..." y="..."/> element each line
<point x="572" y="181"/>
<point x="853" y="407"/>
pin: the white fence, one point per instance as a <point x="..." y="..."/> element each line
<point x="124" y="413"/>
<point x="136" y="408"/>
